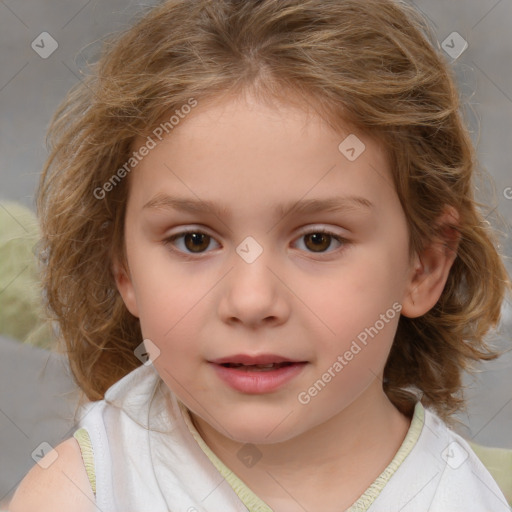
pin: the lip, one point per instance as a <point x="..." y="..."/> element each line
<point x="255" y="359"/>
<point x="256" y="381"/>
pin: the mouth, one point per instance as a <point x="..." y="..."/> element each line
<point x="258" y="367"/>
<point x="257" y="374"/>
<point x="259" y="362"/>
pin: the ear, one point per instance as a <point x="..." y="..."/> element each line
<point x="125" y="287"/>
<point x="431" y="268"/>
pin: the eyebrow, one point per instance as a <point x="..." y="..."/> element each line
<point x="305" y="206"/>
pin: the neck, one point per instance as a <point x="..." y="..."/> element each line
<point x="338" y="459"/>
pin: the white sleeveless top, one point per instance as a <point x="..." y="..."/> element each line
<point x="148" y="457"/>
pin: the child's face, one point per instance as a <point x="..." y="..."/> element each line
<point x="307" y="297"/>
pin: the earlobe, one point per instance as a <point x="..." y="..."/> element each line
<point x="125" y="287"/>
<point x="431" y="268"/>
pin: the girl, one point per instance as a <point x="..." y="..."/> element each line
<point x="263" y="250"/>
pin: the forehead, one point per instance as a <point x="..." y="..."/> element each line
<point x="239" y="150"/>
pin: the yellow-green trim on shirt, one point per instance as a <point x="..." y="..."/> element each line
<point x="413" y="434"/>
<point x="84" y="441"/>
<point x="255" y="504"/>
<point x="249" y="499"/>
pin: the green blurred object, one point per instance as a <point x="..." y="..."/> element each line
<point x="498" y="462"/>
<point x="21" y="309"/>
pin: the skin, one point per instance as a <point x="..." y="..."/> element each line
<point x="292" y="300"/>
<point x="303" y="301"/>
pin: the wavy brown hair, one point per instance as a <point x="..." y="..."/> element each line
<point x="370" y="64"/>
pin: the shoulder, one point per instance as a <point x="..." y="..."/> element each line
<point x="462" y="475"/>
<point x="58" y="482"/>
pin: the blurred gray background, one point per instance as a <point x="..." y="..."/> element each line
<point x="36" y="393"/>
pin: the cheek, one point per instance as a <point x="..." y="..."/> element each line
<point x="164" y="293"/>
<point x="171" y="309"/>
<point x="357" y="310"/>
<point x="357" y="293"/>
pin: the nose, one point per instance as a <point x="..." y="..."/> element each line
<point x="253" y="294"/>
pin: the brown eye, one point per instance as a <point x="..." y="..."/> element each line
<point x="318" y="242"/>
<point x="194" y="242"/>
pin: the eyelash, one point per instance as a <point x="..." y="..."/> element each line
<point x="191" y="256"/>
